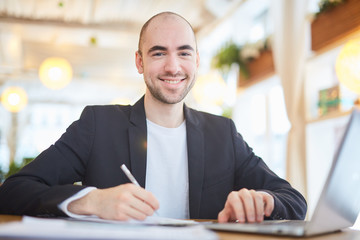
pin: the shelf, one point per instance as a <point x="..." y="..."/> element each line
<point x="334" y="25"/>
<point x="329" y="116"/>
<point x="259" y="69"/>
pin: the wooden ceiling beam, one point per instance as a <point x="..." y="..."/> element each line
<point x="129" y="27"/>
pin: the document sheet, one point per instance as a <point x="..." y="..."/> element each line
<point x="151" y="220"/>
<point x="31" y="227"/>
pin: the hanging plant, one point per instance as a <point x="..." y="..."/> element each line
<point x="326" y="5"/>
<point x="231" y="53"/>
<point x="228" y="55"/>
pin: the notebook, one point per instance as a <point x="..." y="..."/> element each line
<point x="339" y="203"/>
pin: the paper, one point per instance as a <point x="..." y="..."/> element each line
<point x="32" y="227"/>
<point x="151" y="220"/>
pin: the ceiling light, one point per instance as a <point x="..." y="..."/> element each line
<point x="14" y="99"/>
<point x="55" y="73"/>
<point x="348" y="65"/>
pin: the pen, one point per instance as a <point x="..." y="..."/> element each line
<point x="131" y="178"/>
<point x="129" y="175"/>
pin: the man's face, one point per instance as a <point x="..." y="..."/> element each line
<point x="169" y="59"/>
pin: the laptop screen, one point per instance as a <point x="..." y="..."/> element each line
<point x="339" y="203"/>
<point x="343" y="191"/>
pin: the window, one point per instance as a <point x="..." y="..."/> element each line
<point x="260" y="117"/>
<point x="37" y="127"/>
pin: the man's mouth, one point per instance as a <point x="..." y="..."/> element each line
<point x="172" y="81"/>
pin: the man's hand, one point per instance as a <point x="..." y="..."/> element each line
<point x="247" y="206"/>
<point x="122" y="202"/>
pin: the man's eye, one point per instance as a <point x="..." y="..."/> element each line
<point x="184" y="54"/>
<point x="158" y="54"/>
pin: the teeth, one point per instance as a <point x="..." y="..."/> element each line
<point x="172" y="82"/>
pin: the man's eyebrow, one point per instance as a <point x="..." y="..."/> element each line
<point x="186" y="47"/>
<point x="157" y="48"/>
<point x="161" y="48"/>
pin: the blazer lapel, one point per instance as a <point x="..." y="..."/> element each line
<point x="138" y="142"/>
<point x="195" y="145"/>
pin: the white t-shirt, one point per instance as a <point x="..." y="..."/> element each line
<point x="167" y="169"/>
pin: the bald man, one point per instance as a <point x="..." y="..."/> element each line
<point x="189" y="164"/>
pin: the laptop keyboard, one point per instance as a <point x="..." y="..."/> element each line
<point x="286" y="222"/>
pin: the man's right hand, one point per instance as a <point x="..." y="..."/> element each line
<point x="123" y="202"/>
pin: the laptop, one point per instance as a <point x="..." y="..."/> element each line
<point x="339" y="203"/>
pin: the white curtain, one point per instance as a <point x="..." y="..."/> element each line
<point x="289" y="46"/>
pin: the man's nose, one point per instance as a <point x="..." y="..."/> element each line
<point x="172" y="65"/>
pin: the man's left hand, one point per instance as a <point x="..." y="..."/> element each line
<point x="247" y="206"/>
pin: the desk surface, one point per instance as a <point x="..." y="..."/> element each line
<point x="344" y="235"/>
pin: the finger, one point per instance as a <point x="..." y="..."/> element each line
<point x="141" y="206"/>
<point x="236" y="207"/>
<point x="124" y="212"/>
<point x="135" y="213"/>
<point x="143" y="195"/>
<point x="224" y="215"/>
<point x="231" y="209"/>
<point x="259" y="205"/>
<point x="132" y="196"/>
<point x="147" y="197"/>
<point x="268" y="204"/>
<point x="152" y="200"/>
<point x="248" y="203"/>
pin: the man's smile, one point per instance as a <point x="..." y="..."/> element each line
<point x="171" y="80"/>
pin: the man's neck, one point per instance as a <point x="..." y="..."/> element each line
<point x="166" y="115"/>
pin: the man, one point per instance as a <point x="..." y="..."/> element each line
<point x="189" y="164"/>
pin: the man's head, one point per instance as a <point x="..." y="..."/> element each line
<point x="167" y="57"/>
<point x="144" y="27"/>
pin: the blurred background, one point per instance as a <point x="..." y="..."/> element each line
<point x="274" y="66"/>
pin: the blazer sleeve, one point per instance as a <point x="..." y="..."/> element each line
<point x="49" y="179"/>
<point x="251" y="172"/>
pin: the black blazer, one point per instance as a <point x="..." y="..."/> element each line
<point x="93" y="148"/>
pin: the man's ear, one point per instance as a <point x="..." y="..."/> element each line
<point x="139" y="62"/>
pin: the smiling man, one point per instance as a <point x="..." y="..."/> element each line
<point x="169" y="56"/>
<point x="189" y="164"/>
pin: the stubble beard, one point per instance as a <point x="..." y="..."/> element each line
<point x="160" y="96"/>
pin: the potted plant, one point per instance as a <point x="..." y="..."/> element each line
<point x="335" y="21"/>
<point x="247" y="57"/>
<point x="228" y="55"/>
